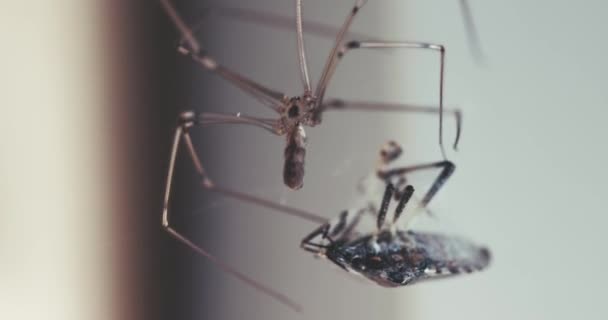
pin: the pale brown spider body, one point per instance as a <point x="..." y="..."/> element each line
<point x="296" y="113"/>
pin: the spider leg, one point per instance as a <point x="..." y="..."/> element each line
<point x="279" y="21"/>
<point x="187" y="121"/>
<point x="368" y="106"/>
<point x="313" y="247"/>
<point x="191" y="46"/>
<point x="334" y="55"/>
<point x="404" y="197"/>
<point x="352" y="45"/>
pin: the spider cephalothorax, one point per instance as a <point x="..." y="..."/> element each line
<point x="297" y="110"/>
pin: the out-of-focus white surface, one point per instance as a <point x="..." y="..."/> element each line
<point x="54" y="259"/>
<point x="530" y="177"/>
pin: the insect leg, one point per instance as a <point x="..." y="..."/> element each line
<point x="390" y="152"/>
<point x="191" y="46"/>
<point x="310" y="246"/>
<point x="447" y="169"/>
<point x="329" y="31"/>
<point x="187" y="121"/>
<point x="390" y="45"/>
<point x="317" y="248"/>
<point x="368" y="106"/>
<point x="279" y="21"/>
<point x="386" y="199"/>
<point x="405" y="197"/>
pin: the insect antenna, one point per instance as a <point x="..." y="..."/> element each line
<point x="407" y="194"/>
<point x="386" y="199"/>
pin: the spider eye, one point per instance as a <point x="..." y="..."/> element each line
<point x="293" y="111"/>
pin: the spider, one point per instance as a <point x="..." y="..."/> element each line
<point x="306" y="110"/>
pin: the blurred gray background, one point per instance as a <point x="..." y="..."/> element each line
<point x="100" y="85"/>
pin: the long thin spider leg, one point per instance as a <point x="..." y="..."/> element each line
<point x="187" y="121"/>
<point x="301" y="49"/>
<point x="333" y="55"/>
<point x="307" y="243"/>
<point x="227" y="268"/>
<point x="270" y="204"/>
<point x="184" y="30"/>
<point x="471" y="30"/>
<point x="192" y="47"/>
<point x="209" y="118"/>
<point x="390" y="45"/>
<point x="368" y="106"/>
<point x="282" y="22"/>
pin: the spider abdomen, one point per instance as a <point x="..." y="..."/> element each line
<point x="295" y="155"/>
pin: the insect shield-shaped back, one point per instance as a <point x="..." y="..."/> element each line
<point x="295" y="153"/>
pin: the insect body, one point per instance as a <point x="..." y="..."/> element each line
<point x="392" y="257"/>
<point x="405" y="257"/>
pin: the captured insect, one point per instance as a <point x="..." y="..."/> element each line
<point x="296" y="113"/>
<point x="388" y="255"/>
<point x="392" y="257"/>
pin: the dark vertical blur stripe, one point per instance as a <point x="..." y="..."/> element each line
<point x="143" y="89"/>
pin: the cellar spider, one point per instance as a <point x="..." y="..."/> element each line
<point x="294" y="113"/>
